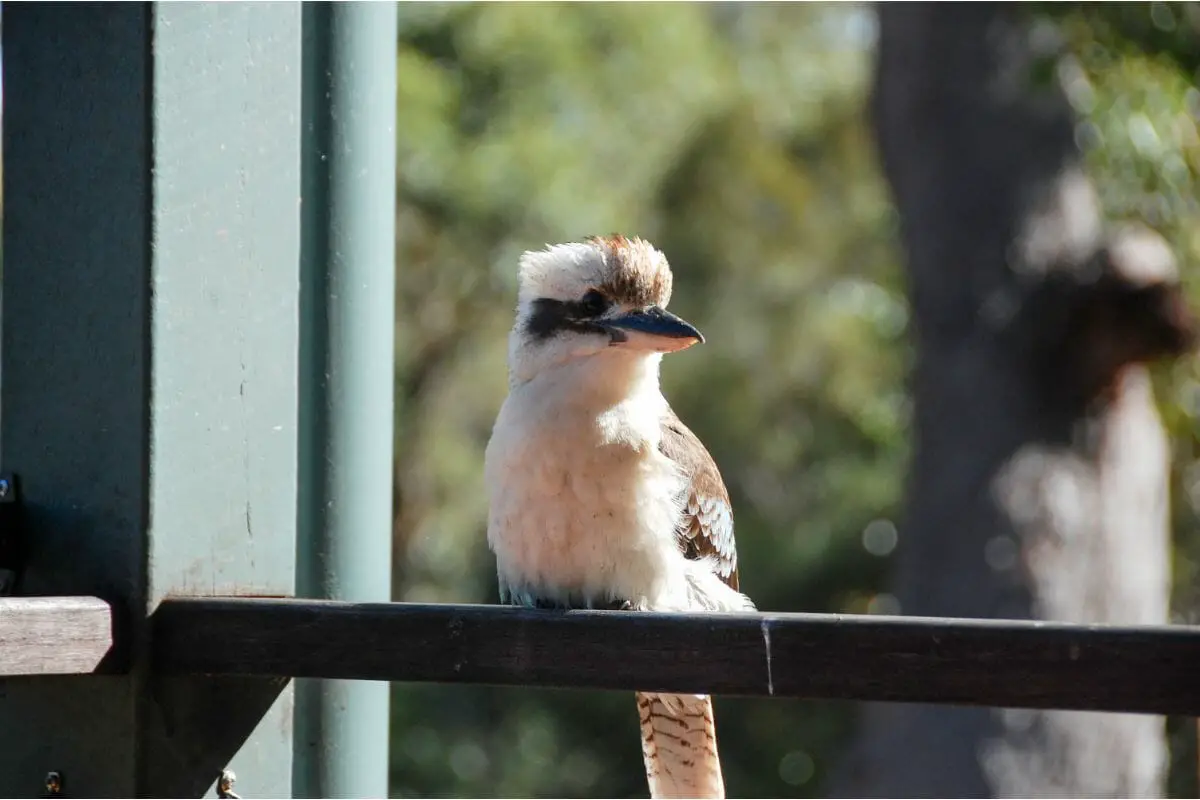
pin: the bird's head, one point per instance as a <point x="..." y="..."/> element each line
<point x="606" y="295"/>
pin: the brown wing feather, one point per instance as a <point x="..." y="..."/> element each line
<point x="679" y="742"/>
<point x="706" y="528"/>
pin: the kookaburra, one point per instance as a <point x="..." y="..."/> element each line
<point x="599" y="497"/>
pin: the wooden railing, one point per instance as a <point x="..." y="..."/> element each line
<point x="1004" y="663"/>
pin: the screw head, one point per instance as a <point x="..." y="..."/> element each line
<point x="225" y="783"/>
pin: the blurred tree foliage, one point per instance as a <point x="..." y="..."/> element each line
<point x="732" y="136"/>
<point x="1131" y="72"/>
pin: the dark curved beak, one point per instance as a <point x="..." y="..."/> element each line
<point x="654" y="329"/>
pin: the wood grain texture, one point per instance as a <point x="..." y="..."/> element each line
<point x="901" y="659"/>
<point x="54" y="635"/>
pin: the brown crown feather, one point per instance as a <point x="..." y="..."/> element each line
<point x="638" y="275"/>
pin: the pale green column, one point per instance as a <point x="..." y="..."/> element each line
<point x="347" y="365"/>
<point x="151" y="260"/>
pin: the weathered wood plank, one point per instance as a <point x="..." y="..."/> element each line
<point x="54" y="635"/>
<point x="901" y="659"/>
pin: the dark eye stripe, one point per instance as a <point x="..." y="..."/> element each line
<point x="550" y="317"/>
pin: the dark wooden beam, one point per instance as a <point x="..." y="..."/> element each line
<point x="901" y="659"/>
<point x="54" y="635"/>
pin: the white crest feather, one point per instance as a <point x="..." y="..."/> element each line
<point x="559" y="272"/>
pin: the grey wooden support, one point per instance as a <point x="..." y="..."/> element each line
<point x="54" y="635"/>
<point x="151" y="248"/>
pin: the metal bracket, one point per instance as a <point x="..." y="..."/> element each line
<point x="13" y="543"/>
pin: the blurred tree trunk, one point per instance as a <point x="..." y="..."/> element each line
<point x="1039" y="482"/>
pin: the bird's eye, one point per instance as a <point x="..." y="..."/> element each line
<point x="594" y="303"/>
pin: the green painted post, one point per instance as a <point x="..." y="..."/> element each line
<point x="347" y="363"/>
<point x="150" y="337"/>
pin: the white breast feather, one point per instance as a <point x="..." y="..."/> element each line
<point x="583" y="505"/>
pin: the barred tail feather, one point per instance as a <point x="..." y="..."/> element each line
<point x="679" y="746"/>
